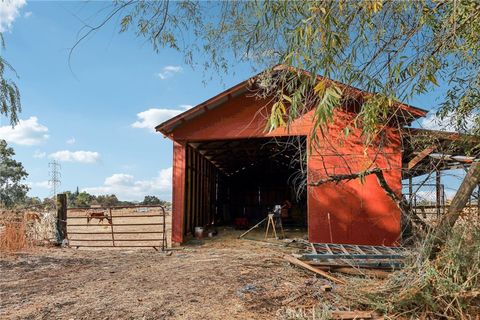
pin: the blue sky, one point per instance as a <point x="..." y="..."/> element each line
<point x="97" y="118"/>
<point x="87" y="116"/>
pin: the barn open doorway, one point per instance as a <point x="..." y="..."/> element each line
<point x="238" y="182"/>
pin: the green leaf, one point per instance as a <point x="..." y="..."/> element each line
<point x="432" y="79"/>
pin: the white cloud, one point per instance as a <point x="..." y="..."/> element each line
<point x="27" y="14"/>
<point x="185" y="107"/>
<point x="71" y="141"/>
<point x="39" y="155"/>
<point x="448" y="123"/>
<point x="27" y="132"/>
<point x="126" y="187"/>
<point x="152" y="117"/>
<point x="9" y="11"/>
<point x="119" y="179"/>
<point x="169" y="71"/>
<point x="42" y="184"/>
<point x="76" y="156"/>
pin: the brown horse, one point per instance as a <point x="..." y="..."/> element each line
<point x="98" y="215"/>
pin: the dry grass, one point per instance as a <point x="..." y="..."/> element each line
<point x="39" y="231"/>
<point x="13" y="237"/>
<point x="223" y="278"/>
<point x="445" y="288"/>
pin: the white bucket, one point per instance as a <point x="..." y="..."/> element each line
<point x="199" y="232"/>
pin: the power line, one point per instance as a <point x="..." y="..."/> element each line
<point x="55" y="175"/>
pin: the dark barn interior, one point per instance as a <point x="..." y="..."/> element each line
<point x="238" y="182"/>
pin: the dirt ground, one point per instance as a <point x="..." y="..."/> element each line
<point x="224" y="278"/>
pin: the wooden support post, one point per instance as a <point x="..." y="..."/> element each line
<point x="204" y="192"/>
<point x="194" y="191"/>
<point x="478" y="200"/>
<point x="187" y="226"/>
<point x="438" y="191"/>
<point x="111" y="225"/>
<point x="410" y="191"/>
<point x="197" y="191"/>
<point x="61" y="204"/>
<point x="164" y="229"/>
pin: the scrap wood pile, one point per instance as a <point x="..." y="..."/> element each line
<point x="375" y="261"/>
<point x="326" y="259"/>
<point x="290" y="295"/>
<point x="446" y="287"/>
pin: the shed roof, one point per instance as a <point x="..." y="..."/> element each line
<point x="170" y="125"/>
<point x="427" y="150"/>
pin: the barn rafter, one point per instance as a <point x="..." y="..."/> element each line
<point x="427" y="151"/>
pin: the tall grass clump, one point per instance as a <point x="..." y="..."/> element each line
<point x="447" y="287"/>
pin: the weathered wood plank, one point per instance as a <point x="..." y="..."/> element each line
<point x="324" y="274"/>
<point x="419" y="157"/>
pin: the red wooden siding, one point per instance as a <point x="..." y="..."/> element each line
<point x="359" y="213"/>
<point x="178" y="192"/>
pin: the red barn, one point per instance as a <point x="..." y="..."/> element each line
<point x="227" y="166"/>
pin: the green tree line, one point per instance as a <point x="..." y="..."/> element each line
<point x="14" y="189"/>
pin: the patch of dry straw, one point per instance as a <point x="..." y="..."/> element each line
<point x="445" y="288"/>
<point x="13" y="237"/>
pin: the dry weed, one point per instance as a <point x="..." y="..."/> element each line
<point x="13" y="237"/>
<point x="445" y="288"/>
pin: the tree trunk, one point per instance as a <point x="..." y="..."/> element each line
<point x="401" y="203"/>
<point x="446" y="223"/>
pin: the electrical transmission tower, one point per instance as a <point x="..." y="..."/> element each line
<point x="54" y="181"/>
